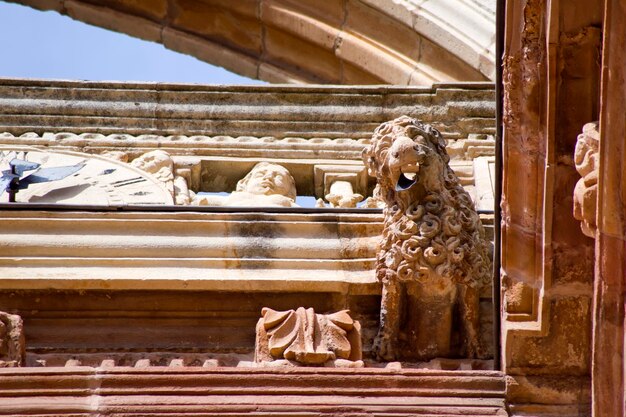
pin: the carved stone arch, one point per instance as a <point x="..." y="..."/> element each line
<point x="341" y="42"/>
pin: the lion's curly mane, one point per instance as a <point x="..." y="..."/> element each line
<point x="433" y="236"/>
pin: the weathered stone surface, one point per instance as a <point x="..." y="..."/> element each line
<point x="317" y="23"/>
<point x="366" y="22"/>
<point x="609" y="328"/>
<point x="551" y="89"/>
<point x="548" y="396"/>
<point x="564" y="350"/>
<point x="288" y="51"/>
<point x="433" y="254"/>
<point x="153" y="9"/>
<point x="229" y="111"/>
<point x="219" y="22"/>
<point x="328" y="251"/>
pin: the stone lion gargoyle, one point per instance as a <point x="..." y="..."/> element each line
<point x="433" y="258"/>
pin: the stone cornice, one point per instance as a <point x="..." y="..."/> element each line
<point x="279" y="111"/>
<point x="269" y="147"/>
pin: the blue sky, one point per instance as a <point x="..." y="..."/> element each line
<point x="35" y="44"/>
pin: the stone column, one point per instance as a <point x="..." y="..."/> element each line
<point x="608" y="330"/>
<point x="550" y="77"/>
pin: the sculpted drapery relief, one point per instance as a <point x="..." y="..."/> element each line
<point x="586" y="159"/>
<point x="433" y="258"/>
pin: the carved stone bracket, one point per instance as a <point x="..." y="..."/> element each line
<point x="341" y="185"/>
<point x="307" y="338"/>
<point x="11" y="340"/>
<point x="189" y="168"/>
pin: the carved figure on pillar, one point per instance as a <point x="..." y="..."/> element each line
<point x="586" y="159"/>
<point x="11" y="340"/>
<point x="433" y="258"/>
<point x="307" y="338"/>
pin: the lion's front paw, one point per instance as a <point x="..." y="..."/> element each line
<point x="475" y="350"/>
<point x="383" y="349"/>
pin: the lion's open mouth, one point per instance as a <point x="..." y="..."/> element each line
<point x="408" y="177"/>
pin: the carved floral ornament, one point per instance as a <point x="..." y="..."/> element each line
<point x="433" y="253"/>
<point x="305" y="337"/>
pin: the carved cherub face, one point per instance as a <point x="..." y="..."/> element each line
<point x="267" y="179"/>
<point x="153" y="162"/>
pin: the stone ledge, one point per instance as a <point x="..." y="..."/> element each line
<point x="83" y="391"/>
<point x="189" y="250"/>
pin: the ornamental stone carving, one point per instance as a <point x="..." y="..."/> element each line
<point x="161" y="166"/>
<point x="586" y="159"/>
<point x="433" y="258"/>
<point x="11" y="340"/>
<point x="342" y="195"/>
<point x="266" y="185"/>
<point x="307" y="338"/>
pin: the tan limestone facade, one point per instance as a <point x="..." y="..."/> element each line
<point x="132" y="311"/>
<point x="140" y="290"/>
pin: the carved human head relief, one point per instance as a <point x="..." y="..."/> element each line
<point x="267" y="179"/>
<point x="155" y="162"/>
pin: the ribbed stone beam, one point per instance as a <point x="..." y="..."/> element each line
<point x="346" y="42"/>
